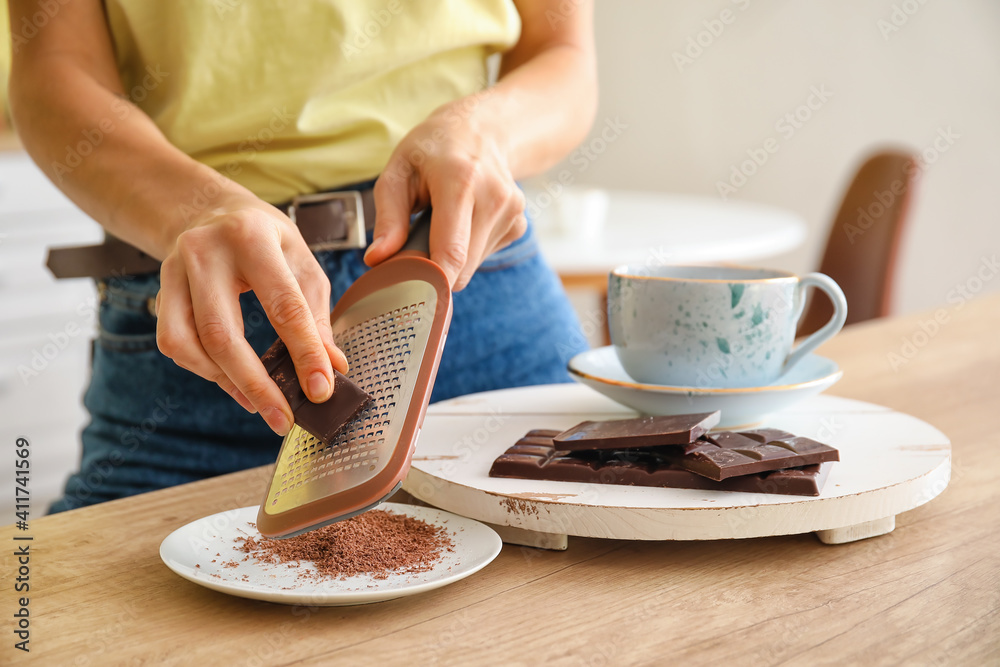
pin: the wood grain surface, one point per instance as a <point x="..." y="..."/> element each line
<point x="927" y="593"/>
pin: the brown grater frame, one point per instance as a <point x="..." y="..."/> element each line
<point x="408" y="265"/>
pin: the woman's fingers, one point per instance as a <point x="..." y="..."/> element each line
<point x="478" y="208"/>
<point x="315" y="286"/>
<point x="294" y="319"/>
<point x="395" y="196"/>
<point x="227" y="386"/>
<point x="219" y="326"/>
<point x="454" y="243"/>
<point x="334" y="353"/>
<point x="497" y="220"/>
<point x="176" y="333"/>
<point x="200" y="323"/>
<point x="451" y="226"/>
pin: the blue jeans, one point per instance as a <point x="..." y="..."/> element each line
<point x="155" y="425"/>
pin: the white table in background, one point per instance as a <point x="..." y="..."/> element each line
<point x="641" y="227"/>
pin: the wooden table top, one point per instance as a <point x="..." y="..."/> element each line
<point x="927" y="593"/>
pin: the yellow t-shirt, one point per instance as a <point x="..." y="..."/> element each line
<point x="295" y="96"/>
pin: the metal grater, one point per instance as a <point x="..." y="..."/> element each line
<point x="391" y="325"/>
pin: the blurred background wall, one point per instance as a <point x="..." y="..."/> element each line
<point x="699" y="84"/>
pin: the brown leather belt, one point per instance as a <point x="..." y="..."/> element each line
<point x="327" y="221"/>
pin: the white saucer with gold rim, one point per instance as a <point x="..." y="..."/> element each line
<point x="601" y="370"/>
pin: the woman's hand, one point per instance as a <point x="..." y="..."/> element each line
<point x="458" y="165"/>
<point x="464" y="158"/>
<point x="239" y="245"/>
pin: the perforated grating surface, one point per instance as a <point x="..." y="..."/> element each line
<point x="384" y="351"/>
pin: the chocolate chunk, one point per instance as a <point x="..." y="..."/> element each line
<point x="323" y="420"/>
<point x="542" y="433"/>
<point x="720" y="456"/>
<point x="766" y="434"/>
<point x="639" y="432"/>
<point x="731" y="440"/>
<point x="651" y="467"/>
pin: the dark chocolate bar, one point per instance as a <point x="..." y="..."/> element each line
<point x="639" y="432"/>
<point x="323" y="420"/>
<point x="723" y="455"/>
<point x="540" y="459"/>
<point x="767" y="434"/>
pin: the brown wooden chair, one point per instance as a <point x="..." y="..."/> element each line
<point x="863" y="244"/>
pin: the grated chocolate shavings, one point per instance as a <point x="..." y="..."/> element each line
<point x="377" y="543"/>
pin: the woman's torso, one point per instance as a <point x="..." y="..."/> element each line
<point x="295" y="96"/>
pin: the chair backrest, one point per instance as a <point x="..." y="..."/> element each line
<point x="864" y="241"/>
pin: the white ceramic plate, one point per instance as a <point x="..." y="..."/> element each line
<point x="197" y="543"/>
<point x="600" y="370"/>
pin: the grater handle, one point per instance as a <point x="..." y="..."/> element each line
<point x="419" y="242"/>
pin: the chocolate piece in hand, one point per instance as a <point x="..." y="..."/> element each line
<point x="528" y="459"/>
<point x="323" y="420"/>
<point x="639" y="432"/>
<point x="723" y="455"/>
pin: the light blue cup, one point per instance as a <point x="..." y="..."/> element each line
<point x="712" y="326"/>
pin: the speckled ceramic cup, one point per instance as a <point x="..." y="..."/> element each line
<point x="712" y="326"/>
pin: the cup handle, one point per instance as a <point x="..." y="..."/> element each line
<point x="830" y="329"/>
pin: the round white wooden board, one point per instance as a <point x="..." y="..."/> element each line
<point x="889" y="463"/>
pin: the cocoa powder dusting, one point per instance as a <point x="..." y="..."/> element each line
<point x="376" y="543"/>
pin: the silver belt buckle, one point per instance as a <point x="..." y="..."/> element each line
<point x="354" y="218"/>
